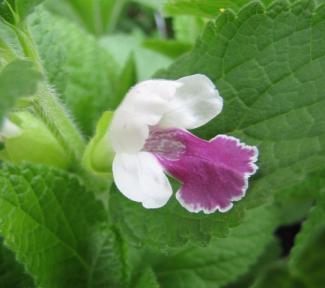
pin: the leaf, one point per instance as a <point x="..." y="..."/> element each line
<point x="54" y="226"/>
<point x="18" y="79"/>
<point x="295" y="202"/>
<point x="224" y="260"/>
<point x="171" y="225"/>
<point x="12" y="274"/>
<point x="83" y="73"/>
<point x="270" y="254"/>
<point x="308" y="255"/>
<point x="188" y="28"/>
<point x="277" y="275"/>
<point x="147" y="280"/>
<point x="109" y="264"/>
<point x="147" y="62"/>
<point x="127" y="79"/>
<point x="156" y="5"/>
<point x="204" y="8"/>
<point x="268" y="66"/>
<point x="170" y="48"/>
<point x="97" y="17"/>
<point x="21" y="9"/>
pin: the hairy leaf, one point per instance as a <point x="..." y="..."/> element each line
<point x="53" y="224"/>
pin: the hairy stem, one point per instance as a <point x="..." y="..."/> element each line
<point x="48" y="105"/>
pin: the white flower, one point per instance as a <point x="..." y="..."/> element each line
<point x="186" y="103"/>
<point x="149" y="136"/>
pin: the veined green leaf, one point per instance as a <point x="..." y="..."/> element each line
<point x="224" y="259"/>
<point x="57" y="229"/>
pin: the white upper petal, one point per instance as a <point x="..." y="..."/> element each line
<point x="141" y="178"/>
<point x="195" y="103"/>
<point x="142" y="107"/>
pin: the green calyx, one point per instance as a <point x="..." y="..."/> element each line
<point x="99" y="153"/>
<point x="35" y="143"/>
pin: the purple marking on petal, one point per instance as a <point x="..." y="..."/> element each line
<point x="165" y="143"/>
<point x="213" y="173"/>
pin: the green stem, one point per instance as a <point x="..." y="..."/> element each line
<point x="47" y="104"/>
<point x="55" y="115"/>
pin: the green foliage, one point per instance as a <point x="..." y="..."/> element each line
<point x="147" y="280"/>
<point x="224" y="259"/>
<point x="15" y="11"/>
<point x="188" y="28"/>
<point x="50" y="220"/>
<point x="171" y="225"/>
<point x="205" y="8"/>
<point x="97" y="17"/>
<point x="18" y="71"/>
<point x="12" y="274"/>
<point x="147" y="62"/>
<point x="267" y="59"/>
<point x="277" y="275"/>
<point x="169" y="48"/>
<point x="308" y="256"/>
<point x="83" y="73"/>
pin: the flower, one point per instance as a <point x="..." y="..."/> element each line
<point x="149" y="136"/>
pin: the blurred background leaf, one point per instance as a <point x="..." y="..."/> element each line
<point x="17" y="71"/>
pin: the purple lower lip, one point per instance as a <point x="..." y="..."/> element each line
<point x="213" y="173"/>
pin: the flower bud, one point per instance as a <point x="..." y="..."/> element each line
<point x="99" y="154"/>
<point x="27" y="138"/>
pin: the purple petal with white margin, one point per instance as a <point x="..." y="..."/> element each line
<point x="213" y="173"/>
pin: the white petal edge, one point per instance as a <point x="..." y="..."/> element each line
<point x="141" y="178"/>
<point x="143" y="106"/>
<point x="196" y="102"/>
